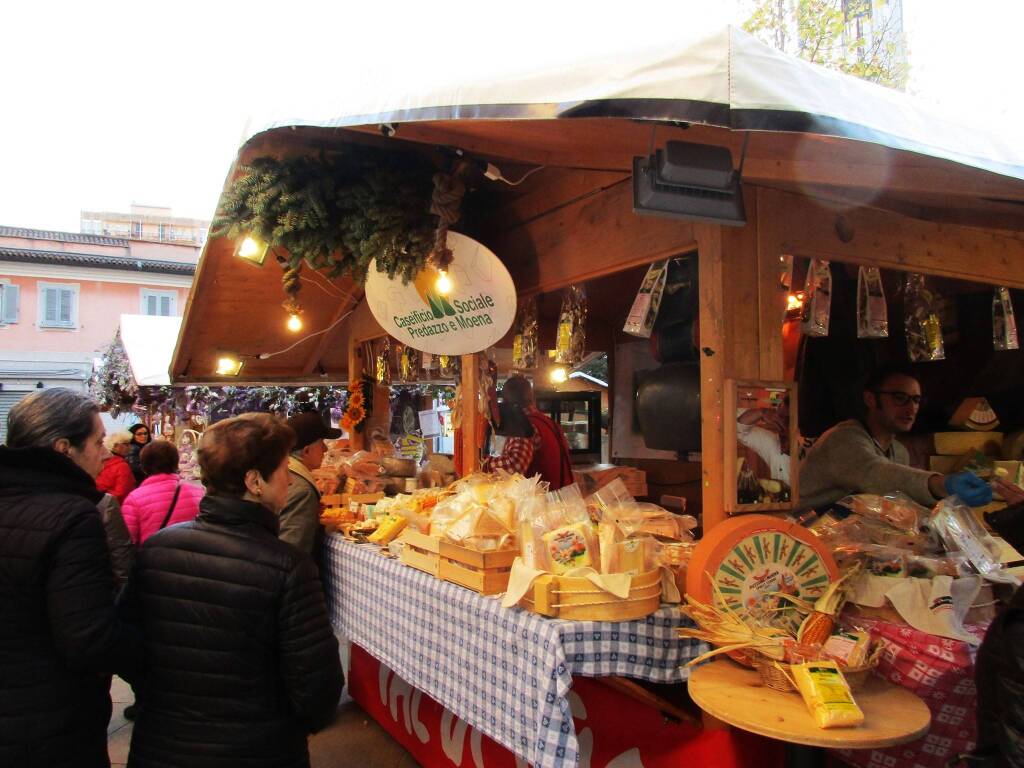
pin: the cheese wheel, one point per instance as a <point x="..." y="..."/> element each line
<point x="749" y="557"/>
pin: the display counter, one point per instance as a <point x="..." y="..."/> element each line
<point x="506" y="672"/>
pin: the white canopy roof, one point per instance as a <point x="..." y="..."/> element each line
<point x="149" y="343"/>
<point x="725" y="78"/>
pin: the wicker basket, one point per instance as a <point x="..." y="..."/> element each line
<point x="778" y="676"/>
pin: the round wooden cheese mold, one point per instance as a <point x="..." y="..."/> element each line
<point x="749" y="557"/>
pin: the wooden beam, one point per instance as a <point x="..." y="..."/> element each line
<point x="712" y="373"/>
<point x="891" y="241"/>
<point x="771" y="297"/>
<point x="590" y="238"/>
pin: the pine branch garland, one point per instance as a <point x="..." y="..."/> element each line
<point x="337" y="213"/>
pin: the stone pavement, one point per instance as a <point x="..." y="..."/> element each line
<point x="353" y="740"/>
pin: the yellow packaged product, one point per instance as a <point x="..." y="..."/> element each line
<point x="388" y="528"/>
<point x="631" y="556"/>
<point x="827" y="694"/>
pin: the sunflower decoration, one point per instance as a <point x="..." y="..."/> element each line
<point x="358" y="405"/>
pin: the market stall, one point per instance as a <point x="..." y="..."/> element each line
<point x="765" y="171"/>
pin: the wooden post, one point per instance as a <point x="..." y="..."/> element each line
<point x="470" y="414"/>
<point x="732" y="321"/>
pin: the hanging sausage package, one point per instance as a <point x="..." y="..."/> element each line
<point x="921" y="322"/>
<point x="570" y="342"/>
<point x="1004" y="324"/>
<point x="872" y="314"/>
<point x="524" y="344"/>
<point x="817" y="299"/>
<point x="644" y="312"/>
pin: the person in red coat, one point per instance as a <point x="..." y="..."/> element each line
<point x="116" y="477"/>
<point x="550" y="457"/>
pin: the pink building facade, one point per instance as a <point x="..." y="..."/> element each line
<point x="61" y="298"/>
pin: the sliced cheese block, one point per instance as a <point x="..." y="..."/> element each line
<point x="975" y="413"/>
<point x="959" y="443"/>
<point x="749" y="557"/>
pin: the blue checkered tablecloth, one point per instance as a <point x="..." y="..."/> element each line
<point x="506" y="672"/>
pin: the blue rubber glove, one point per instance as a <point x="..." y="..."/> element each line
<point x="971" y="489"/>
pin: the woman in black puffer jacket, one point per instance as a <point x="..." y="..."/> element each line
<point x="59" y="636"/>
<point x="244" y="664"/>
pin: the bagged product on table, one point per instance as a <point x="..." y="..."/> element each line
<point x="895" y="509"/>
<point x="817" y="299"/>
<point x="644" y="312"/>
<point x="848" y="647"/>
<point x="571" y="340"/>
<point x="827" y="694"/>
<point x="1004" y="324"/>
<point x="961" y="532"/>
<point x="872" y="314"/>
<point x="921" y="322"/>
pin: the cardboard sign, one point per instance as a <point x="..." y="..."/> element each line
<point x="477" y="312"/>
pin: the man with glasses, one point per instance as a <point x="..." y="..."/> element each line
<point x="858" y="456"/>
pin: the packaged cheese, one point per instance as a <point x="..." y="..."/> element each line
<point x="848" y="647"/>
<point x="827" y="694"/>
<point x="566" y="548"/>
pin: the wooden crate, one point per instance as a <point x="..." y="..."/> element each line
<point x="579" y="599"/>
<point x="483" y="572"/>
<point x="420" y="551"/>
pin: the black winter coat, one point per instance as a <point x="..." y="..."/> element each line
<point x="999" y="673"/>
<point x="242" y="661"/>
<point x="59" y="635"/>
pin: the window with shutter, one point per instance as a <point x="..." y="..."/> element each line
<point x="9" y="300"/>
<point x="151" y="305"/>
<point x="58" y="306"/>
<point x="165" y="306"/>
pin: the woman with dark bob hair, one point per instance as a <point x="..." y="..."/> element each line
<point x="241" y="661"/>
<point x="162" y="499"/>
<point x="60" y="639"/>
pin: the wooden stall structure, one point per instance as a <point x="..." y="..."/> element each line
<point x="829" y="167"/>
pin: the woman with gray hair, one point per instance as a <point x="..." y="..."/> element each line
<point x="116" y="477"/>
<point x="59" y="636"/>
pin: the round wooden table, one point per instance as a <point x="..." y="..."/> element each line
<point x="735" y="695"/>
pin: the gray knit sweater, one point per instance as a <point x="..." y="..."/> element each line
<point x="846" y="460"/>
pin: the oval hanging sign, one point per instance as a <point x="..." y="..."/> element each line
<point x="476" y="313"/>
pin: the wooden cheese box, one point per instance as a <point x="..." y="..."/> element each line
<point x="421" y="551"/>
<point x="578" y="599"/>
<point x="483" y="572"/>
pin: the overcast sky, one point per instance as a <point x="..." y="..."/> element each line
<point x="105" y="104"/>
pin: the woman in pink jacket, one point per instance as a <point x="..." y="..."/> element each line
<point x="163" y="498"/>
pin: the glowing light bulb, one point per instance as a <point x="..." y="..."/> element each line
<point x="252" y="249"/>
<point x="444" y="283"/>
<point x="228" y="366"/>
<point x="559" y="375"/>
<point x="793" y="302"/>
<point x="294" y="322"/>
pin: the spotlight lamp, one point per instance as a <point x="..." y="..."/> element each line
<point x="252" y="249"/>
<point x="228" y="365"/>
<point x="558" y="375"/>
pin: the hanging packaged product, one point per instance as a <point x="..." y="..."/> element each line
<point x="382" y="361"/>
<point x="524" y="345"/>
<point x="643" y="314"/>
<point x="817" y="299"/>
<point x="570" y="342"/>
<point x="408" y="367"/>
<point x="921" y="322"/>
<point x="1004" y="324"/>
<point x="872" y="315"/>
